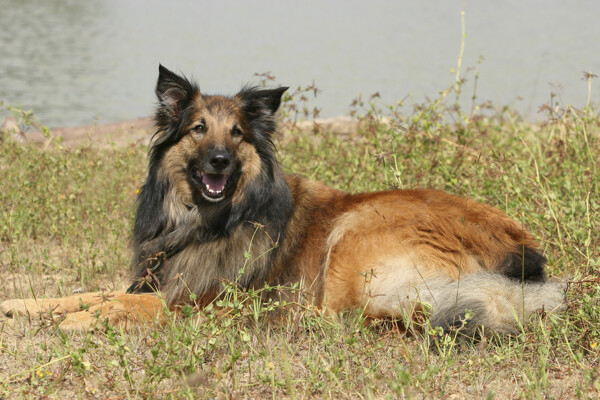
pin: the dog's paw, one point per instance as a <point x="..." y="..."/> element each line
<point x="15" y="307"/>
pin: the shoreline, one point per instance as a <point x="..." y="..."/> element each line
<point x="138" y="131"/>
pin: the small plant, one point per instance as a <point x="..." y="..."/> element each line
<point x="295" y="102"/>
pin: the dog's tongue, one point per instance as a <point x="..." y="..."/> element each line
<point x="214" y="182"/>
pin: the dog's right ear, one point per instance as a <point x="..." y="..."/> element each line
<point x="174" y="93"/>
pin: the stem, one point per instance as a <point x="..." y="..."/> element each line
<point x="587" y="104"/>
<point x="462" y="49"/>
<point x="10" y="378"/>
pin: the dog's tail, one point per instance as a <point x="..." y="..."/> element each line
<point x="492" y="302"/>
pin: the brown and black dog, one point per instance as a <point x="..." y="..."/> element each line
<point x="217" y="207"/>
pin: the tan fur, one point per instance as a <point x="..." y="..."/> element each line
<point x="421" y="234"/>
<point x="250" y="168"/>
<point x="81" y="311"/>
<point x="223" y="260"/>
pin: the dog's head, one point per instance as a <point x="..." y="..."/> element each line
<point x="212" y="170"/>
<point x="213" y="145"/>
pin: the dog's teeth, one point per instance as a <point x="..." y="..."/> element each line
<point x="212" y="191"/>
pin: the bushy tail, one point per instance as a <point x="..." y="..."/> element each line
<point x="493" y="302"/>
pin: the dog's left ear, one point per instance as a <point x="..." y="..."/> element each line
<point x="259" y="102"/>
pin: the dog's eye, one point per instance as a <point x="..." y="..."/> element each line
<point x="200" y="128"/>
<point x="235" y="131"/>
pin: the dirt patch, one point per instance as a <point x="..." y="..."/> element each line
<point x="119" y="134"/>
<point x="140" y="131"/>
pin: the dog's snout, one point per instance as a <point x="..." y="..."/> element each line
<point x="219" y="158"/>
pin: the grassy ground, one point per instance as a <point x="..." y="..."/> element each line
<point x="65" y="215"/>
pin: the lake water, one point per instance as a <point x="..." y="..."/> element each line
<point x="76" y="62"/>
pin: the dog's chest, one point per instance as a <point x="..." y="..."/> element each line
<point x="240" y="258"/>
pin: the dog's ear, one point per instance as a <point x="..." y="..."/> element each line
<point x="259" y="102"/>
<point x="174" y="93"/>
<point x="272" y="98"/>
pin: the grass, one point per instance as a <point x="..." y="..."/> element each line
<point x="65" y="215"/>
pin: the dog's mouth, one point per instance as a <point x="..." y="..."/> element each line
<point x="212" y="186"/>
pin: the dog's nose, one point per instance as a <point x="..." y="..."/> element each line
<point x="219" y="158"/>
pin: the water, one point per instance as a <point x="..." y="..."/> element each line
<point x="76" y="62"/>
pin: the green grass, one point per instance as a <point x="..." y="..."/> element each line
<point x="65" y="216"/>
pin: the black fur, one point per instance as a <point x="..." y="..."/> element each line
<point x="525" y="264"/>
<point x="175" y="94"/>
<point x="269" y="197"/>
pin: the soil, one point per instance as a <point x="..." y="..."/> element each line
<point x="140" y="130"/>
<point x="119" y="134"/>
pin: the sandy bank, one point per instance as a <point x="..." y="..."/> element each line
<point x="140" y="130"/>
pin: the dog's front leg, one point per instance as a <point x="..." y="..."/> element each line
<point x="84" y="310"/>
<point x="122" y="310"/>
<point x="63" y="305"/>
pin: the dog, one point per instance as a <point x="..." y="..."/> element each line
<point x="216" y="207"/>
